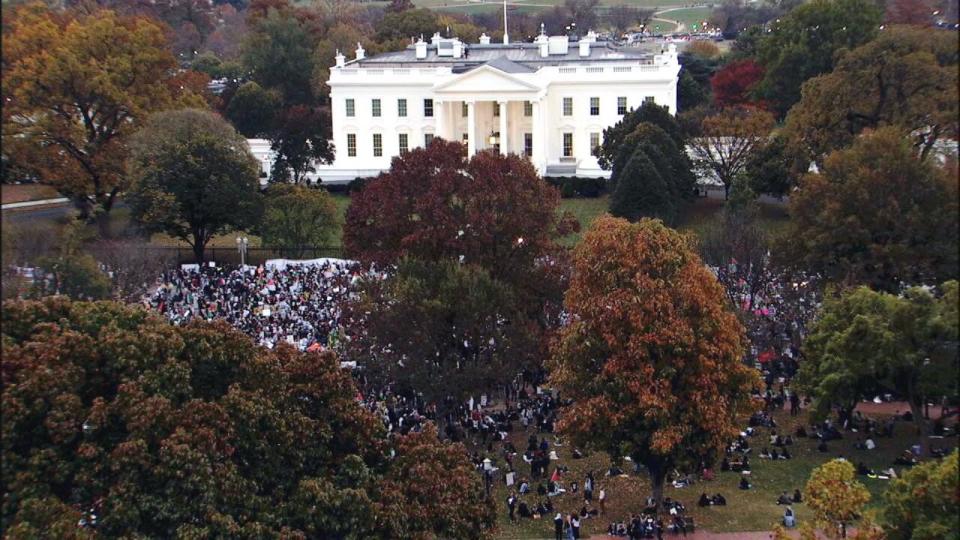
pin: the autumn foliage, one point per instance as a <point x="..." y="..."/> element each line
<point x="651" y="357"/>
<point x="835" y="496"/>
<point x="164" y="431"/>
<point x="732" y="85"/>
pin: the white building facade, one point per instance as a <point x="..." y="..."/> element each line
<point x="549" y="100"/>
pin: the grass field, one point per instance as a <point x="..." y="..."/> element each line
<point x="14" y="193"/>
<point x="687" y="16"/>
<point x="752" y="510"/>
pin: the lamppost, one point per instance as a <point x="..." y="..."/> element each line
<point x="242" y="243"/>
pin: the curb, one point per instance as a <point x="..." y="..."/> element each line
<point x="28" y="204"/>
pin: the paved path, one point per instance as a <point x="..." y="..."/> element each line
<point x="28" y="204"/>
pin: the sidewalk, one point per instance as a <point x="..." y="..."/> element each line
<point x="28" y="204"/>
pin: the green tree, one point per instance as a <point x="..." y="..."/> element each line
<point x="802" y="45"/>
<point x="835" y="497"/>
<point x="297" y="216"/>
<point x="75" y="90"/>
<point x="300" y="140"/>
<point x="773" y="168"/>
<point x="922" y="505"/>
<point x="867" y="341"/>
<point x="641" y="191"/>
<point x="649" y="349"/>
<point x="441" y="329"/>
<point x="408" y="23"/>
<point x="877" y="215"/>
<point x="252" y="109"/>
<point x="614" y="137"/>
<point x="194" y="177"/>
<point x="278" y="55"/>
<point x="166" y="431"/>
<point x="72" y="271"/>
<point x="905" y="77"/>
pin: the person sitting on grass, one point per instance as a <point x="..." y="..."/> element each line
<point x="764" y="454"/>
<point x="783" y="499"/>
<point x="906" y="459"/>
<point x="744" y="484"/>
<point x="822" y="447"/>
<point x="525" y="510"/>
<point x="704" y="500"/>
<point x="725" y="464"/>
<point x="785" y="454"/>
<point x="796" y="496"/>
<point x="789" y="520"/>
<point x="718" y="500"/>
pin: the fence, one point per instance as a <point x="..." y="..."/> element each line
<point x="255" y="255"/>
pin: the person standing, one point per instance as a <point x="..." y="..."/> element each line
<point x="569" y="525"/>
<point x="794" y="403"/>
<point x="588" y="487"/>
<point x="512" y="505"/>
<point x="603" y="500"/>
<point x="558" y="526"/>
<point x="575" y="526"/>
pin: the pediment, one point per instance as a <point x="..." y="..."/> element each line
<point x="486" y="79"/>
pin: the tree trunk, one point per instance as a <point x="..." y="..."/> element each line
<point x="198" y="246"/>
<point x="657" y="476"/>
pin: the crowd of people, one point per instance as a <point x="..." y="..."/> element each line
<point x="297" y="304"/>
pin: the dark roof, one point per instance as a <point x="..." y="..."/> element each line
<point x="524" y="55"/>
<point x="508" y="66"/>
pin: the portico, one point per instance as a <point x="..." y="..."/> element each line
<point x="491" y="108"/>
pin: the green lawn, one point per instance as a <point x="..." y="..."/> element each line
<point x="753" y="510"/>
<point x="688" y="16"/>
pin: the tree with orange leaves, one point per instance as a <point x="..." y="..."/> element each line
<point x="651" y="356"/>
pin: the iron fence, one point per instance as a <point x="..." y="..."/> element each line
<point x="254" y="255"/>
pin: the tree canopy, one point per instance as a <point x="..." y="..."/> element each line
<point x="295" y="217"/>
<point x="877" y="215"/>
<point x="905" y="77"/>
<point x="922" y="504"/>
<point x="651" y="356"/>
<point x="74" y="91"/>
<point x="194" y="177"/>
<point x="835" y="497"/>
<point x="614" y="137"/>
<point x="801" y="45"/>
<point x="115" y="418"/>
<point x="727" y="140"/>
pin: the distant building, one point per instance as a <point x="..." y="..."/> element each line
<point x="549" y="100"/>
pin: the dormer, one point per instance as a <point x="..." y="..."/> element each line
<point x="484" y="39"/>
<point x="421" y="47"/>
<point x="361" y="54"/>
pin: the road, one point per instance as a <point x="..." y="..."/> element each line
<point x="47" y="213"/>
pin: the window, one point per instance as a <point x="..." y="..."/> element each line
<point x="528" y="144"/>
<point x="568" y="145"/>
<point x="594" y="106"/>
<point x="594" y="143"/>
<point x="375" y="107"/>
<point x="427" y="139"/>
<point x="496" y="145"/>
<point x="404" y="142"/>
<point x="377" y="145"/>
<point x="527" y="108"/>
<point x="496" y="109"/>
<point x="428" y="108"/>
<point x="649" y="99"/>
<point x="568" y="106"/>
<point x="351" y="110"/>
<point x="622" y="105"/>
<point x="464" y="109"/>
<point x="351" y="145"/>
<point x="466" y="138"/>
<point x="401" y="107"/>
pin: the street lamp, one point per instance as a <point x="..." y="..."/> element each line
<point x="242" y="243"/>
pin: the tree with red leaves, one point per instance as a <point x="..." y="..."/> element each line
<point x="651" y="357"/>
<point x="492" y="210"/>
<point x="732" y="84"/>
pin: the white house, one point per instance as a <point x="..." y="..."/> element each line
<point x="549" y="100"/>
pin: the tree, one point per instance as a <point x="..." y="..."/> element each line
<point x="405" y="24"/>
<point x="921" y="505"/>
<point x="166" y="431"/>
<point x="875" y="215"/>
<point x="252" y="109"/>
<point x="704" y="49"/>
<point x="803" y="43"/>
<point x="278" y="54"/>
<point x="133" y="266"/>
<point x="622" y="18"/>
<point x="732" y="85"/>
<point x="906" y="77"/>
<point x="728" y="139"/>
<point x="614" y="136"/>
<point x="296" y="216"/>
<point x="396" y="6"/>
<point x="75" y="90"/>
<point x="194" y="177"/>
<point x="651" y="355"/>
<point x="773" y="168"/>
<point x="492" y="211"/>
<point x="440" y="330"/>
<point x="581" y="15"/>
<point x="865" y="341"/>
<point x="693" y="87"/>
<point x="835" y="497"/>
<point x="301" y="139"/>
<point x="651" y="176"/>
<point x="71" y="272"/>
<point x="914" y="12"/>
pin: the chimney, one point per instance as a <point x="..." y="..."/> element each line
<point x="484" y="39"/>
<point x="591" y="37"/>
<point x="584" y="48"/>
<point x="457" y="48"/>
<point x="340" y="58"/>
<point x="421" y="48"/>
<point x="435" y="39"/>
<point x="361" y="54"/>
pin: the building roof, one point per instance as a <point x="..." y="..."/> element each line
<point x="514" y="57"/>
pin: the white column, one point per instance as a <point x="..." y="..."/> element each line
<point x="538" y="134"/>
<point x="471" y="129"/>
<point x="503" y="127"/>
<point x="439" y="108"/>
